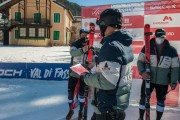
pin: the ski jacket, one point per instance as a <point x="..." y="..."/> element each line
<point x="78" y="56"/>
<point x="164" y="67"/>
<point x="115" y="64"/>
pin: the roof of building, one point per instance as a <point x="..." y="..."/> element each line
<point x="4" y="6"/>
<point x="65" y="8"/>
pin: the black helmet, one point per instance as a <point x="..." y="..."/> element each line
<point x="160" y="33"/>
<point x="110" y="17"/>
<point x="83" y="31"/>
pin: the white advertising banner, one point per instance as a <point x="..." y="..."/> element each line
<point x="130" y="9"/>
<point x="163" y="20"/>
<point x="87" y="21"/>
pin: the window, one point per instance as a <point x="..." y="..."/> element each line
<point x="37" y="17"/>
<point x="16" y="34"/>
<point x="41" y="32"/>
<point x="56" y="35"/>
<point x="32" y="32"/>
<point x="22" y="32"/>
<point x="17" y="16"/>
<point x="56" y="17"/>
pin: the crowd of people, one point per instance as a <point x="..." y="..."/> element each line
<point x="112" y="80"/>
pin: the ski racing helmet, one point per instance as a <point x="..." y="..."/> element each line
<point x="109" y="17"/>
<point x="83" y="31"/>
<point x="160" y="33"/>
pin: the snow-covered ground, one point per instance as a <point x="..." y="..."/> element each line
<point x="25" y="99"/>
<point x="22" y="99"/>
<point x="35" y="54"/>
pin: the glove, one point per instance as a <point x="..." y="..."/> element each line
<point x="173" y="86"/>
<point x="82" y="76"/>
<point x="145" y="75"/>
<point x="90" y="66"/>
<point x="91" y="48"/>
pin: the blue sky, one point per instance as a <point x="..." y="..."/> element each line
<point x="103" y="2"/>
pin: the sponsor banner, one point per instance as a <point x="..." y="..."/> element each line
<point x="12" y="70"/>
<point x="42" y="71"/>
<point x="130" y="9"/>
<point x="133" y="21"/>
<point x="48" y="71"/>
<point x="137" y="33"/>
<point x="162" y="11"/>
<point x="163" y="20"/>
<point x="172" y="33"/>
<point x="93" y="11"/>
<point x="86" y="22"/>
<point x="162" y="7"/>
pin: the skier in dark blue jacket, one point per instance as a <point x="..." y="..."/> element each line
<point x="112" y="80"/>
<point x="78" y="52"/>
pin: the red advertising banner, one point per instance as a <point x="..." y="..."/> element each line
<point x="159" y="14"/>
<point x="133" y="21"/>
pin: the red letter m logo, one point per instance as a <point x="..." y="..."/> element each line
<point x="167" y="18"/>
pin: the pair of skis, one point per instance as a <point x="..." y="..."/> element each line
<point x="75" y="99"/>
<point x="89" y="60"/>
<point x="147" y="34"/>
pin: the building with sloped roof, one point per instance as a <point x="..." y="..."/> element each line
<point x="35" y="22"/>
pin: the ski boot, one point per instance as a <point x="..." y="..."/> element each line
<point x="69" y="115"/>
<point x="80" y="115"/>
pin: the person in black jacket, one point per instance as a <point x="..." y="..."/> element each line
<point x="78" y="49"/>
<point x="111" y="82"/>
<point x="164" y="68"/>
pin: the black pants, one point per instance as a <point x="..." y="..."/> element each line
<point x="161" y="91"/>
<point x="120" y="115"/>
<point x="71" y="87"/>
